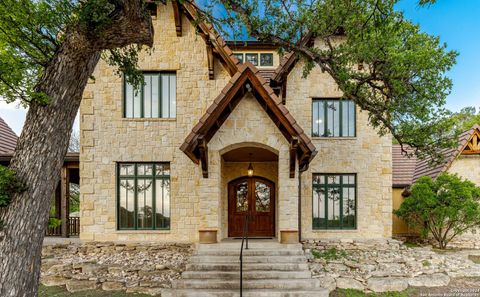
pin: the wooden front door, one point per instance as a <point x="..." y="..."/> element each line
<point x="253" y="196"/>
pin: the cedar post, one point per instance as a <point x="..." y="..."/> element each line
<point x="65" y="200"/>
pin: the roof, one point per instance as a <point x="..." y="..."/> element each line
<point x="405" y="174"/>
<point x="403" y="167"/>
<point x="229" y="97"/>
<point x="250" y="44"/>
<point x="8" y="138"/>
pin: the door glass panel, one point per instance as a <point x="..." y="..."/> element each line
<point x="262" y="197"/>
<point x="242" y="197"/>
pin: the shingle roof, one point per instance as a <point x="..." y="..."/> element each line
<point x="403" y="167"/>
<point x="406" y="171"/>
<point x="8" y="138"/>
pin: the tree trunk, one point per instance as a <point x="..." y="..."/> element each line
<point x="43" y="143"/>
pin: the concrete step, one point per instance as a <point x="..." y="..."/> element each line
<point x="252" y="266"/>
<point x="234" y="275"/>
<point x="250" y="252"/>
<point x="247" y="259"/>
<point x="254" y="245"/>
<point x="318" y="292"/>
<point x="279" y="284"/>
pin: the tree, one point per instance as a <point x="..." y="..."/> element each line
<point x="74" y="143"/>
<point x="380" y="60"/>
<point x="445" y="207"/>
<point x="48" y="51"/>
<point x="466" y="118"/>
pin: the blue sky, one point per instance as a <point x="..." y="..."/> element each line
<point x="456" y="22"/>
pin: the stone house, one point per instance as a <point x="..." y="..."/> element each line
<point x="463" y="160"/>
<point x="222" y="130"/>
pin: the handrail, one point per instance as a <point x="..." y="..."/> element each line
<point x="244" y="238"/>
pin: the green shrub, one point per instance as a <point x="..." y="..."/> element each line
<point x="9" y="185"/>
<point x="330" y="254"/>
<point x="445" y="207"/>
<point x="54" y="223"/>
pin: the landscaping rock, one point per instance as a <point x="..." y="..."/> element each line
<point x="432" y="280"/>
<point x="113" y="286"/>
<point x="387" y="284"/>
<point x="80" y="285"/>
<point x="349" y="283"/>
<point x="328" y="283"/>
<point x="53" y="280"/>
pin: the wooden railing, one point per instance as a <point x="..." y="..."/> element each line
<point x="73" y="228"/>
<point x="244" y="238"/>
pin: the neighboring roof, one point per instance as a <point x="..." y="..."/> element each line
<point x="423" y="167"/>
<point x="8" y="138"/>
<point x="223" y="105"/>
<point x="403" y="167"/>
<point x="405" y="174"/>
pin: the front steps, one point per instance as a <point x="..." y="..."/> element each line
<point x="270" y="269"/>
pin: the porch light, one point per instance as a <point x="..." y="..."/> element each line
<point x="250" y="167"/>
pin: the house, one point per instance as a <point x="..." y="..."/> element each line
<point x="222" y="130"/>
<point x="463" y="160"/>
<point x="69" y="174"/>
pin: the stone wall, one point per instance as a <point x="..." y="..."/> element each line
<point x="467" y="167"/>
<point x="367" y="155"/>
<point x="107" y="137"/>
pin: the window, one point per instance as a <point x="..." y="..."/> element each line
<point x="266" y="59"/>
<point x="239" y="57"/>
<point x="333" y="118"/>
<point x="334" y="201"/>
<point x="157" y="98"/>
<point x="252" y="58"/>
<point x="143" y="196"/>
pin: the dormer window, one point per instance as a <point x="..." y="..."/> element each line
<point x="266" y="59"/>
<point x="239" y="57"/>
<point x="252" y="58"/>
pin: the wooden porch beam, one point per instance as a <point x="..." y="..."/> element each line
<point x="203" y="149"/>
<point x="211" y="70"/>
<point x="293" y="155"/>
<point x="177" y="14"/>
<point x="65" y="200"/>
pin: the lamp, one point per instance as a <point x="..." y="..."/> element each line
<point x="250" y="167"/>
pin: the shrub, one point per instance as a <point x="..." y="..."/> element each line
<point x="9" y="185"/>
<point x="445" y="207"/>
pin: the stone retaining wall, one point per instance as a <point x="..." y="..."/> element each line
<point x="140" y="268"/>
<point x="385" y="265"/>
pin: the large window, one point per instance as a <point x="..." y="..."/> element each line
<point x="333" y="118"/>
<point x="143" y="196"/>
<point x="334" y="201"/>
<point x="156" y="99"/>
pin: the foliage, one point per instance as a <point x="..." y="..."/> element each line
<point x="74" y="197"/>
<point x="379" y="59"/>
<point x="330" y="254"/>
<point x="466" y="118"/>
<point x="358" y="293"/>
<point x="444" y="207"/>
<point x="54" y="223"/>
<point x="9" y="184"/>
<point x="44" y="291"/>
<point x="32" y="32"/>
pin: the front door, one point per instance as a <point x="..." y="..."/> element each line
<point x="253" y="196"/>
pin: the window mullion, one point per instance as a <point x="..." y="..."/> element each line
<point x="341" y="202"/>
<point x="340" y="118"/>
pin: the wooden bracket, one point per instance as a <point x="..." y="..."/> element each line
<point x="203" y="149"/>
<point x="210" y="60"/>
<point x="293" y="155"/>
<point x="177" y="14"/>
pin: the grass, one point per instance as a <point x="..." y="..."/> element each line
<point x="411" y="244"/>
<point x="474" y="258"/>
<point x="357" y="293"/>
<point x="62" y="292"/>
<point x="426" y="263"/>
<point x="330" y="254"/>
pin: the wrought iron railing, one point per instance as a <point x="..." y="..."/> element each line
<point x="73" y="228"/>
<point x="244" y="239"/>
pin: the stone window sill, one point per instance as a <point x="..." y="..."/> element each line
<point x="334" y="138"/>
<point x="149" y="119"/>
<point x="143" y="231"/>
<point x="335" y="231"/>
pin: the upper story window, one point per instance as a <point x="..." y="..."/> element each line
<point x="262" y="59"/>
<point x="333" y="118"/>
<point x="157" y="98"/>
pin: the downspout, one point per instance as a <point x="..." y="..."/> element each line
<point x="300" y="206"/>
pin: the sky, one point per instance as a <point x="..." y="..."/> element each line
<point x="457" y="22"/>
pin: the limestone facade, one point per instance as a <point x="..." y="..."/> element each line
<point x="197" y="203"/>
